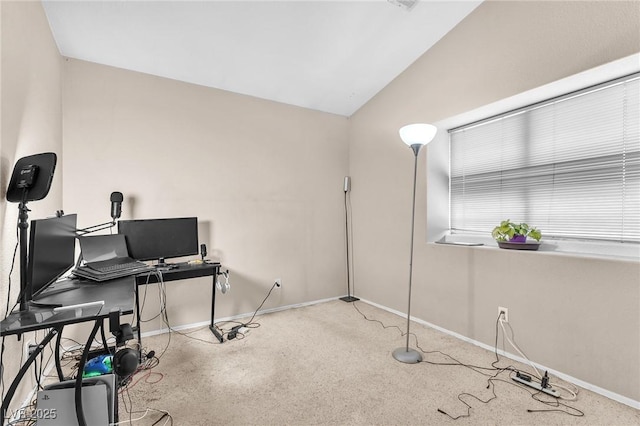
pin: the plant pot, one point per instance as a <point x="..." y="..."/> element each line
<point x="518" y="239"/>
<point x="519" y="246"/>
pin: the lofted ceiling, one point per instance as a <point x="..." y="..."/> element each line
<point x="327" y="55"/>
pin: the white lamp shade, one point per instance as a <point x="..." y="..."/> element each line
<point x="418" y="134"/>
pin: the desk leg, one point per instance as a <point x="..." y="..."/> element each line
<point x="14" y="385"/>
<point x="138" y="323"/>
<point x="212" y="325"/>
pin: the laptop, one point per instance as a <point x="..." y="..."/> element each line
<point x="106" y="257"/>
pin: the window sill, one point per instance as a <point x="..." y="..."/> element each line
<point x="593" y="249"/>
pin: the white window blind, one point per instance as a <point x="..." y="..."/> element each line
<point x="568" y="166"/>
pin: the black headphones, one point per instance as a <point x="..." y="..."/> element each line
<point x="125" y="362"/>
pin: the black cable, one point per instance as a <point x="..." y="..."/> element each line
<point x="554" y="403"/>
<point x="162" y="417"/>
<point x="35" y="372"/>
<point x="234" y="331"/>
<point x="124" y="403"/>
<point x="468" y="413"/>
<point x="6" y="312"/>
<point x="163" y="311"/>
<point x="13" y="263"/>
<point x="491" y="377"/>
<point x="151" y="362"/>
<point x="403" y="333"/>
<point x="144" y="297"/>
<point x="162" y="294"/>
<point x="41" y="372"/>
<point x="103" y="336"/>
<point x="2" y="367"/>
<point x="256" y="311"/>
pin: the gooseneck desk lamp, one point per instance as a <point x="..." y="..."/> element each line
<point x="415" y="136"/>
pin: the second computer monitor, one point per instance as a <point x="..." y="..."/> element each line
<point x="52" y="245"/>
<point x="159" y="239"/>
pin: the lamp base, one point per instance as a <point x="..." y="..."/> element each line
<point x="349" y="299"/>
<point x="410" y="356"/>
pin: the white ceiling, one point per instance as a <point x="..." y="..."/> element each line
<point x="330" y="56"/>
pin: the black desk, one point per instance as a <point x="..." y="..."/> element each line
<point x="181" y="271"/>
<point x="116" y="294"/>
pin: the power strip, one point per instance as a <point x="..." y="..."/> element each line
<point x="526" y="380"/>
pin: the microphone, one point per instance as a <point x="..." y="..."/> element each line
<point x="116" y="205"/>
<point x="347" y="183"/>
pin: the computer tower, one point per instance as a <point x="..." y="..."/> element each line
<point x="55" y="405"/>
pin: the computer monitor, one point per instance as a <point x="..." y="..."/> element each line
<point x="159" y="239"/>
<point x="52" y="244"/>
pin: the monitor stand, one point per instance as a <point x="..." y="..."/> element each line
<point x="164" y="266"/>
<point x="27" y="317"/>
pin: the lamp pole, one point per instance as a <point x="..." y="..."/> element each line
<point x="414" y="135"/>
<point x="406" y="355"/>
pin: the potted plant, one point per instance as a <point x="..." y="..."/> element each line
<point x="515" y="232"/>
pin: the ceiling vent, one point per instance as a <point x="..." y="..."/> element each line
<point x="404" y="4"/>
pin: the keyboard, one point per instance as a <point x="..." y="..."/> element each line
<point x="119" y="267"/>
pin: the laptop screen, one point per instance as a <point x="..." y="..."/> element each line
<point x="103" y="247"/>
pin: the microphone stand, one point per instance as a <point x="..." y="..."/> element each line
<point x="95" y="228"/>
<point x="23" y="224"/>
<point x="115" y="214"/>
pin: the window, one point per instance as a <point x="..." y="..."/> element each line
<point x="569" y="166"/>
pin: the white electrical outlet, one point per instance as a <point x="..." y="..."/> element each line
<point x="278" y="282"/>
<point x="25" y="349"/>
<point x="504" y="312"/>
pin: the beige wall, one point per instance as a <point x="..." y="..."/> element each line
<point x="264" y="179"/>
<point x="31" y="123"/>
<point x="575" y="315"/>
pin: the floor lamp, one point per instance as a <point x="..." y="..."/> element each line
<point x="414" y="135"/>
<point x="347" y="187"/>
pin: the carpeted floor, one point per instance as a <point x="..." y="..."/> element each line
<point x="326" y="365"/>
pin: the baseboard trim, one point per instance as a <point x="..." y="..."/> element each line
<point x="164" y="330"/>
<point x="597" y="389"/>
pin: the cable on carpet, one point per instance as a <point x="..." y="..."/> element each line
<point x="233" y="332"/>
<point x="572" y="411"/>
